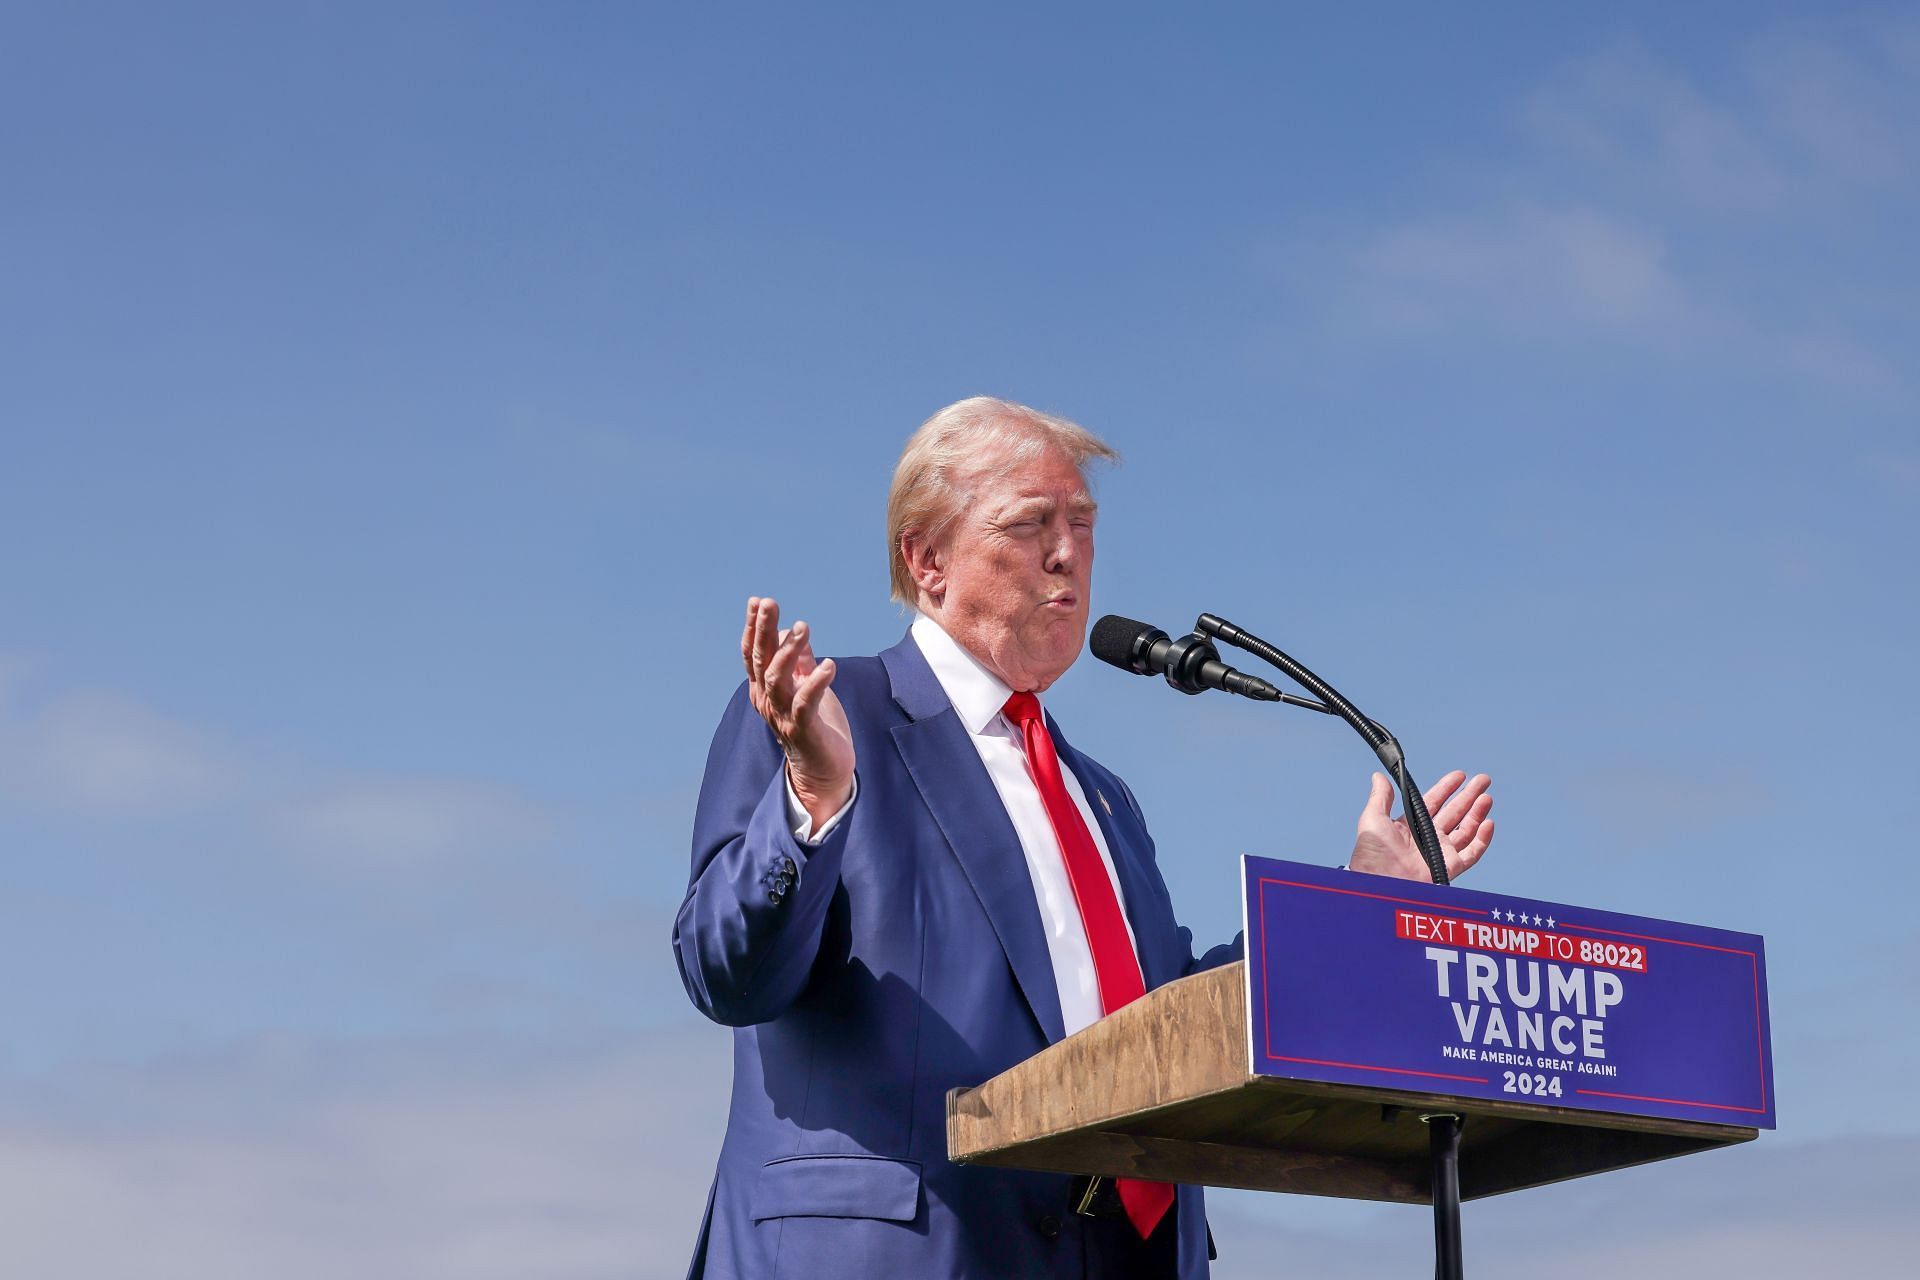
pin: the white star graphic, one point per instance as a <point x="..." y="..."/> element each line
<point x="1549" y="922"/>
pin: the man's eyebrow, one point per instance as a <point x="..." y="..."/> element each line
<point x="1027" y="505"/>
<point x="1079" y="504"/>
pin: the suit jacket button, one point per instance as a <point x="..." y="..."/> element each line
<point x="773" y="896"/>
<point x="1049" y="1227"/>
<point x="786" y="865"/>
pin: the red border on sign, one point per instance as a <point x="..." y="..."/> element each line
<point x="1361" y="1066"/>
<point x="1759" y="1049"/>
<point x="1266" y="1019"/>
<point x="1359" y="893"/>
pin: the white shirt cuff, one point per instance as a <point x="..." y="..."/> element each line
<point x="802" y="822"/>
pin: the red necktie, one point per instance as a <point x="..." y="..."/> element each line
<point x="1115" y="966"/>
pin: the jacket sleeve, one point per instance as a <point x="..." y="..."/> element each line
<point x="1225" y="952"/>
<point x="747" y="934"/>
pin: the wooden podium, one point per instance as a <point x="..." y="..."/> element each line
<point x="1390" y="1040"/>
<point x="1162" y="1089"/>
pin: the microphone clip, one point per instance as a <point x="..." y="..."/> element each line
<point x="1182" y="658"/>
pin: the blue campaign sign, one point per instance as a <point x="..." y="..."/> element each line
<point x="1359" y="979"/>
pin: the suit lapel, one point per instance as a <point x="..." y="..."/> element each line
<point x="1125" y="841"/>
<point x="946" y="768"/>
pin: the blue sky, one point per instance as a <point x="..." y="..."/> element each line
<point x="400" y="402"/>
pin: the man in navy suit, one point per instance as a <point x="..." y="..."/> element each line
<point x="898" y="872"/>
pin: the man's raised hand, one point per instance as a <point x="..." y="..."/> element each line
<point x="794" y="694"/>
<point x="1385" y="847"/>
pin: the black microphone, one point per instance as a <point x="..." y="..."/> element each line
<point x="1191" y="664"/>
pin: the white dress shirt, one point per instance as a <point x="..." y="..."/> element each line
<point x="978" y="697"/>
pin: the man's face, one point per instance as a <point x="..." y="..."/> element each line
<point x="1017" y="568"/>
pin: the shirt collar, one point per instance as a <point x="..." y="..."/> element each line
<point x="976" y="693"/>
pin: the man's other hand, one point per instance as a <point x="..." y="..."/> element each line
<point x="1386" y="847"/>
<point x="794" y="694"/>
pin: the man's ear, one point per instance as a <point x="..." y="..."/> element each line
<point x="925" y="565"/>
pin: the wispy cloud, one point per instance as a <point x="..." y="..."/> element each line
<point x="1510" y="269"/>
<point x="1773" y="1208"/>
<point x="1798" y="118"/>
<point x="1629" y="124"/>
<point x="1676" y="799"/>
<point x="103" y="754"/>
<point x="1713" y="220"/>
<point x="1848" y="107"/>
<point x="462" y="1161"/>
<point x="408" y="823"/>
<point x="94" y="750"/>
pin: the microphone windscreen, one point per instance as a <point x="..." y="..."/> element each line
<point x="1114" y="638"/>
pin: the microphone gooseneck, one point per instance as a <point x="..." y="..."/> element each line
<point x="1384" y="745"/>
<point x="1191" y="664"/>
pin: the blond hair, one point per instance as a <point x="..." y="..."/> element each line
<point x="929" y="484"/>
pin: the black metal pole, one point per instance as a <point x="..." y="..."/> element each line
<point x="1443" y="1142"/>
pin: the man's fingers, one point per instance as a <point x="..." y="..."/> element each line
<point x="766" y="625"/>
<point x="746" y="634"/>
<point x="1440" y="790"/>
<point x="1380" y="798"/>
<point x="1461" y="830"/>
<point x="803" y="661"/>
<point x="1446" y="816"/>
<point x="806" y="694"/>
<point x="754" y="646"/>
<point x="1470" y="854"/>
<point x="1460" y="805"/>
<point x="779" y="668"/>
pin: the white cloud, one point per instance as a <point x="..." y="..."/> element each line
<point x="1513" y="270"/>
<point x="398" y="822"/>
<point x="98" y="751"/>
<point x="1773" y="1208"/>
<point x="1849" y="110"/>
<point x="1624" y="120"/>
<point x="102" y="754"/>
<point x="298" y="1161"/>
<point x="1837" y="361"/>
<point x="1797" y="117"/>
<point x="1672" y="802"/>
<point x="1712" y="222"/>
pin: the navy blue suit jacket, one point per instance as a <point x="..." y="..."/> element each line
<point x="869" y="975"/>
